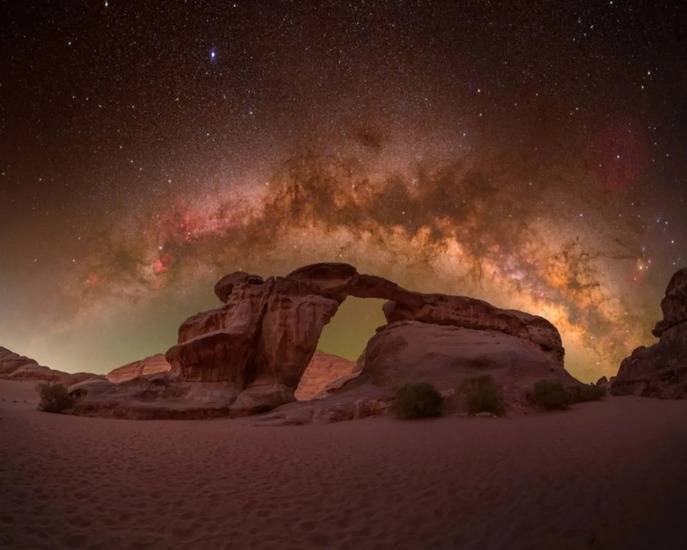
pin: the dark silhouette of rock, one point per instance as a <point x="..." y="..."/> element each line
<point x="674" y="304"/>
<point x="661" y="369"/>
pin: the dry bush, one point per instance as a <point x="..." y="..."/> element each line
<point x="482" y="395"/>
<point x="551" y="394"/>
<point x="417" y="401"/>
<point x="54" y="398"/>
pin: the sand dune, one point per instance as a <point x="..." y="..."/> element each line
<point x="604" y="475"/>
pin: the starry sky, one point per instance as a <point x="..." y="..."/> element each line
<point x="527" y="153"/>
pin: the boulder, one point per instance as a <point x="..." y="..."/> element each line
<point x="660" y="370"/>
<point x="159" y="396"/>
<point x="405" y="352"/>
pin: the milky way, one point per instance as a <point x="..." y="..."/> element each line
<point x="533" y="160"/>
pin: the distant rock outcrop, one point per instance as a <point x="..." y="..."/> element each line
<point x="251" y="353"/>
<point x="154" y="364"/>
<point x="10" y="361"/>
<point x="17" y="367"/>
<point x="323" y="370"/>
<point x="661" y="369"/>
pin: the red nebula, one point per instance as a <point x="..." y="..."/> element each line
<point x="163" y="263"/>
<point x="621" y="155"/>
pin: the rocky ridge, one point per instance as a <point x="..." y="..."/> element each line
<point x="17" y="367"/>
<point x="660" y="370"/>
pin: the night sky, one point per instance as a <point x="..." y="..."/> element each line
<point x="527" y="153"/>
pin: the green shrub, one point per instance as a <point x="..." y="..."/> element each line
<point x="618" y="391"/>
<point x="482" y="395"/>
<point x="417" y="401"/>
<point x="551" y="394"/>
<point x="587" y="392"/>
<point x="54" y="398"/>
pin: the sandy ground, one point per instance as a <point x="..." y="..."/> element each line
<point x="610" y="474"/>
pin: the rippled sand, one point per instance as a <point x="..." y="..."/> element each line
<point x="610" y="474"/>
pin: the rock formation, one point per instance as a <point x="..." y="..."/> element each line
<point x="10" y="361"/>
<point x="661" y="369"/>
<point x="249" y="355"/>
<point x="17" y="367"/>
<point x="323" y="370"/>
<point x="266" y="333"/>
<point x="411" y="351"/>
<point x="154" y="364"/>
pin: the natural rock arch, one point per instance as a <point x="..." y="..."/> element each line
<point x="262" y="339"/>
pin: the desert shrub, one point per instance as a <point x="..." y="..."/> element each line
<point x="54" y="398"/>
<point x="551" y="394"/>
<point x="482" y="395"/>
<point x="587" y="392"/>
<point x="417" y="401"/>
<point x="618" y="391"/>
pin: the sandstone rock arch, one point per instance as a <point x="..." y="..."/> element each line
<point x="262" y="339"/>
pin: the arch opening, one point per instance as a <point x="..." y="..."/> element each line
<point x="341" y="343"/>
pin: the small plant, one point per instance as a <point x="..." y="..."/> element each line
<point x="54" y="398"/>
<point x="587" y="392"/>
<point x="551" y="394"/>
<point x="619" y="391"/>
<point x="482" y="395"/>
<point x="417" y="401"/>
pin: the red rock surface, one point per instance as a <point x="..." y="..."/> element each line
<point x="323" y="370"/>
<point x="10" y="361"/>
<point x="267" y="331"/>
<point x="17" y="367"/>
<point x="250" y="355"/>
<point x="154" y="364"/>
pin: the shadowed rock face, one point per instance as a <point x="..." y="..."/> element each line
<point x="267" y="332"/>
<point x="661" y="370"/>
<point x="674" y="304"/>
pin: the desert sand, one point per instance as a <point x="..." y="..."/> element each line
<point x="607" y="474"/>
